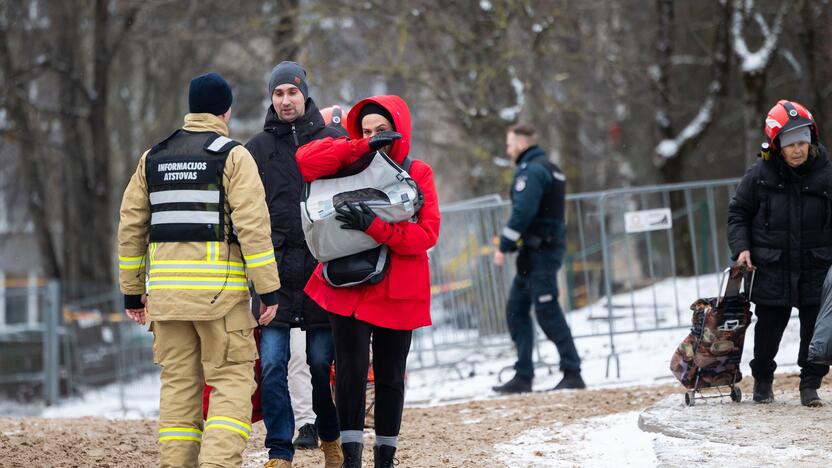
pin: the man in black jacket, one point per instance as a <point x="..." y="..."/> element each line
<point x="780" y="222"/>
<point x="292" y="120"/>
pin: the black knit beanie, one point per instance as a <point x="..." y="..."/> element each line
<point x="373" y="108"/>
<point x="209" y="94"/>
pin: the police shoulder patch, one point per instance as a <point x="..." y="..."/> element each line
<point x="520" y="183"/>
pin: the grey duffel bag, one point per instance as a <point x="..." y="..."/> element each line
<point x="820" y="348"/>
<point x="383" y="185"/>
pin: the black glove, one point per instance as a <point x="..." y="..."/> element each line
<point x="382" y="139"/>
<point x="357" y="218"/>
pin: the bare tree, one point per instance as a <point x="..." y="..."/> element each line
<point x="675" y="145"/>
<point x="754" y="65"/>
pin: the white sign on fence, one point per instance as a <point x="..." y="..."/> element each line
<point x="648" y="220"/>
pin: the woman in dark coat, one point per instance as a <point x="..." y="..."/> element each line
<point x="779" y="224"/>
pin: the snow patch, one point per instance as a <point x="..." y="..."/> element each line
<point x="578" y="444"/>
<point x="510" y="113"/>
<point x="669" y="148"/>
<point x="757" y="61"/>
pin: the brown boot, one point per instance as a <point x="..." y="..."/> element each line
<point x="333" y="457"/>
<point x="278" y="463"/>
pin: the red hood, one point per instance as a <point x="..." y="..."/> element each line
<point x="401" y="119"/>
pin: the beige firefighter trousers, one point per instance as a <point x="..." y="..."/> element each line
<point x="220" y="353"/>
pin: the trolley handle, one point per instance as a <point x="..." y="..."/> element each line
<point x="731" y="273"/>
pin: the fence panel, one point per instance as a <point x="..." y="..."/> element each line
<point x="612" y="281"/>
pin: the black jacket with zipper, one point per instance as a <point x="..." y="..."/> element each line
<point x="784" y="217"/>
<point x="274" y="150"/>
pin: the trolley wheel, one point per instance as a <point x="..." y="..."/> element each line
<point x="736" y="395"/>
<point x="690" y="398"/>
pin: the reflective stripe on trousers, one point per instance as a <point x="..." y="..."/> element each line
<point x="229" y="424"/>
<point x="180" y="433"/>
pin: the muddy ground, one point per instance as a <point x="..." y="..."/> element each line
<point x="456" y="435"/>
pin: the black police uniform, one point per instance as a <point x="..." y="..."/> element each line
<point x="537" y="223"/>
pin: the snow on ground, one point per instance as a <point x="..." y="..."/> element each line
<point x="578" y="444"/>
<point x="644" y="357"/>
<point x="138" y="399"/>
<point x="671" y="434"/>
<point x="668" y="434"/>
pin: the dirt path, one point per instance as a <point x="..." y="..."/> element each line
<point x="457" y="435"/>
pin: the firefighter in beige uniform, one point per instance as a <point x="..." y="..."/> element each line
<point x="194" y="218"/>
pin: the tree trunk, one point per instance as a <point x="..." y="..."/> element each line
<point x="286" y="45"/>
<point x="754" y="113"/>
<point x="30" y="158"/>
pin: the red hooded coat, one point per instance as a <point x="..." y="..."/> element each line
<point x="401" y="300"/>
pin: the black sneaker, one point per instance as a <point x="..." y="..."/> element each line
<point x="763" y="393"/>
<point x="307" y="437"/>
<point x="809" y="397"/>
<point x="571" y="381"/>
<point x="517" y="384"/>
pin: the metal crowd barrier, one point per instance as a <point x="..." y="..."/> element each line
<point x="613" y="282"/>
<point x="609" y="278"/>
<point x="57" y="349"/>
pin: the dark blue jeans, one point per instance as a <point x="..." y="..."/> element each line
<point x="274" y="387"/>
<point x="536" y="283"/>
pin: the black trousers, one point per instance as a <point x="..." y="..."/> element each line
<point x="352" y="360"/>
<point x="771" y="323"/>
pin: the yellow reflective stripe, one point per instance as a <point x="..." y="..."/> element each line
<point x="130" y="259"/>
<point x="130" y="263"/>
<point x="198" y="278"/>
<point x="231" y="420"/>
<point x="193" y="439"/>
<point x="180" y="433"/>
<point x="180" y="429"/>
<point x="268" y="254"/>
<point x="229" y="424"/>
<point x="208" y="252"/>
<point x="264" y="262"/>
<point x="214" y="287"/>
<point x="153" y="247"/>
<point x="198" y="282"/>
<point x="207" y="271"/>
<point x="196" y="262"/>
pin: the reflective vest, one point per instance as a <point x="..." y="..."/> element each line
<point x="552" y="204"/>
<point x="185" y="186"/>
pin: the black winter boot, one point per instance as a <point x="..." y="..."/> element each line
<point x="352" y="454"/>
<point x="809" y="397"/>
<point x="517" y="384"/>
<point x="571" y="381"/>
<point x="383" y="456"/>
<point x="307" y="437"/>
<point x="763" y="392"/>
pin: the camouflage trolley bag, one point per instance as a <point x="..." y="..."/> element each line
<point x="709" y="357"/>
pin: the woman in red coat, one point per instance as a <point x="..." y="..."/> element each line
<point x="390" y="310"/>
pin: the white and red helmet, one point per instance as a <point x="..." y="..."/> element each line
<point x="335" y="117"/>
<point x="786" y="116"/>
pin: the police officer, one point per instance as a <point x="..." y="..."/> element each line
<point x="537" y="224"/>
<point x="197" y="198"/>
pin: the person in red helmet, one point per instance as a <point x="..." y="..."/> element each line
<point x="335" y="118"/>
<point x="780" y="224"/>
<point x="386" y="312"/>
